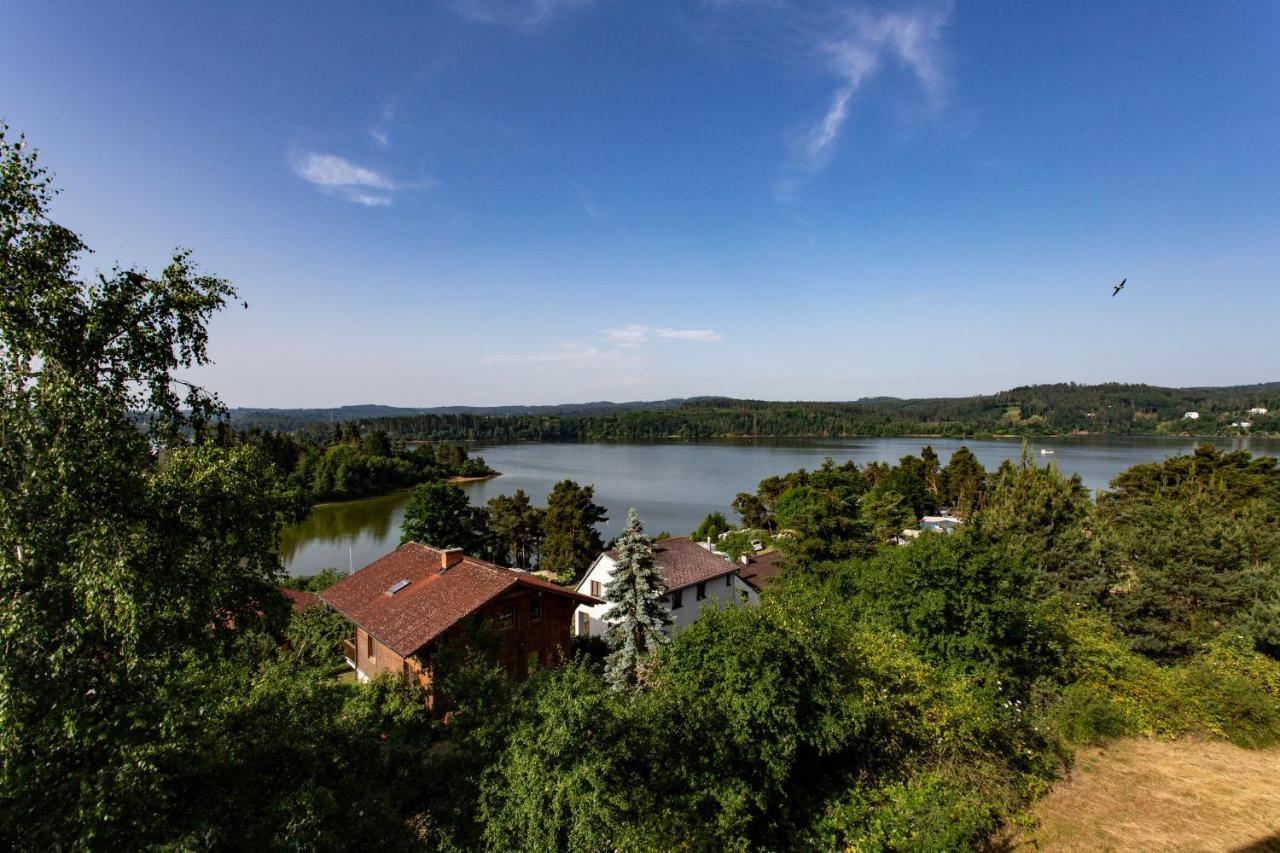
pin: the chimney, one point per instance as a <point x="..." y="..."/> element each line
<point x="744" y="560"/>
<point x="450" y="557"/>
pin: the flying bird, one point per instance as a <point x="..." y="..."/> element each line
<point x="1119" y="287"/>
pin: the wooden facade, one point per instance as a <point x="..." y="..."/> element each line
<point x="533" y="628"/>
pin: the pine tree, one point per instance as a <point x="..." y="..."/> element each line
<point x="637" y="611"/>
<point x="571" y="540"/>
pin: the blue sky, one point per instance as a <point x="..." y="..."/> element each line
<point x="538" y="201"/>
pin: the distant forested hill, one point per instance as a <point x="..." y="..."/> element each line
<point x="1111" y="409"/>
<point x="288" y="420"/>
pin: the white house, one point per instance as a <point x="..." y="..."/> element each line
<point x="1258" y="410"/>
<point x="1242" y="424"/>
<point x="694" y="576"/>
<point x="1191" y="416"/>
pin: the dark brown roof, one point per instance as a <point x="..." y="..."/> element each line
<point x="300" y="599"/>
<point x="762" y="569"/>
<point x="431" y="602"/>
<point x="683" y="562"/>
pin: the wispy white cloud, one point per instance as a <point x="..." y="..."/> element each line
<point x="624" y="343"/>
<point x="865" y="42"/>
<point x="638" y="334"/>
<point x="633" y="335"/>
<point x="339" y="176"/>
<point x="704" y="335"/>
<point x="380" y="131"/>
<point x="554" y="354"/>
<point x="524" y="15"/>
<point x="854" y="45"/>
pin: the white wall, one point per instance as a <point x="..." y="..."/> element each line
<point x="719" y="594"/>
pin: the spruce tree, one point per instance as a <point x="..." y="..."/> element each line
<point x="637" y="610"/>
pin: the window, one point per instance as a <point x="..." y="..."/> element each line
<point x="595" y="589"/>
<point x="677" y="599"/>
<point x="702" y="590"/>
<point x="535" y="609"/>
<point x="584" y="625"/>
<point x="506" y="616"/>
<point x="728" y="580"/>
<point x="368" y="646"/>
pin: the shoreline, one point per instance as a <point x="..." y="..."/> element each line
<point x="452" y="480"/>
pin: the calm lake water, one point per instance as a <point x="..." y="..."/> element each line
<point x="673" y="485"/>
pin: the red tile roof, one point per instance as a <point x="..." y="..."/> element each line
<point x="300" y="599"/>
<point x="432" y="602"/>
<point x="683" y="562"/>
<point x="762" y="569"/>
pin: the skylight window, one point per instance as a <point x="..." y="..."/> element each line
<point x="396" y="587"/>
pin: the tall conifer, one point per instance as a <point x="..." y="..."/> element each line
<point x="638" y="612"/>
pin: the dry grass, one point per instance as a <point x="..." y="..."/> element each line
<point x="1155" y="795"/>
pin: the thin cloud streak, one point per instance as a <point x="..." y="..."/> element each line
<point x="638" y="334"/>
<point x="341" y="177"/>
<point x="555" y="354"/>
<point x="525" y="15"/>
<point x="910" y="37"/>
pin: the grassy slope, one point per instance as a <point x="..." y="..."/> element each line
<point x="1144" y="794"/>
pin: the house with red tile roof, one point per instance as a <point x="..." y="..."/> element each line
<point x="299" y="599"/>
<point x="404" y="605"/>
<point x="760" y="569"/>
<point x="694" y="575"/>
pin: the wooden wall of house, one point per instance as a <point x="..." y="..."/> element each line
<point x="526" y="644"/>
<point x="383" y="660"/>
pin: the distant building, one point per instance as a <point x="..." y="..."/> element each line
<point x="940" y="523"/>
<point x="1258" y="410"/>
<point x="761" y="569"/>
<point x="1191" y="416"/>
<point x="929" y="524"/>
<point x="695" y="578"/>
<point x="405" y="604"/>
<point x="1242" y="424"/>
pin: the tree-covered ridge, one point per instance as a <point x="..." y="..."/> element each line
<point x="1109" y="409"/>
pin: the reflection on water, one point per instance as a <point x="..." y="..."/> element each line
<point x="343" y="535"/>
<point x="674" y="485"/>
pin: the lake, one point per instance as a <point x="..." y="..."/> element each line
<point x="673" y="485"/>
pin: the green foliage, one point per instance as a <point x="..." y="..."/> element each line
<point x="638" y="614"/>
<point x="315" y="635"/>
<point x="711" y="527"/>
<point x="1196" y="539"/>
<point x="738" y="543"/>
<point x="1228" y="690"/>
<point x="1045" y="518"/>
<point x="963" y="483"/>
<point x="114" y="564"/>
<point x="963" y="602"/>
<point x="565" y="776"/>
<point x="440" y="515"/>
<point x="887" y="514"/>
<point x="516" y="527"/>
<point x="571" y="540"/>
<point x="314" y="583"/>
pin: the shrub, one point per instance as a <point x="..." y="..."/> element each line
<point x="1087" y="714"/>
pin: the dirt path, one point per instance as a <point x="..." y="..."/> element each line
<point x="1154" y="795"/>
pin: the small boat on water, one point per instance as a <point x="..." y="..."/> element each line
<point x="1044" y="451"/>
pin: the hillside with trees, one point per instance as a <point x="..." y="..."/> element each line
<point x="1035" y="410"/>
